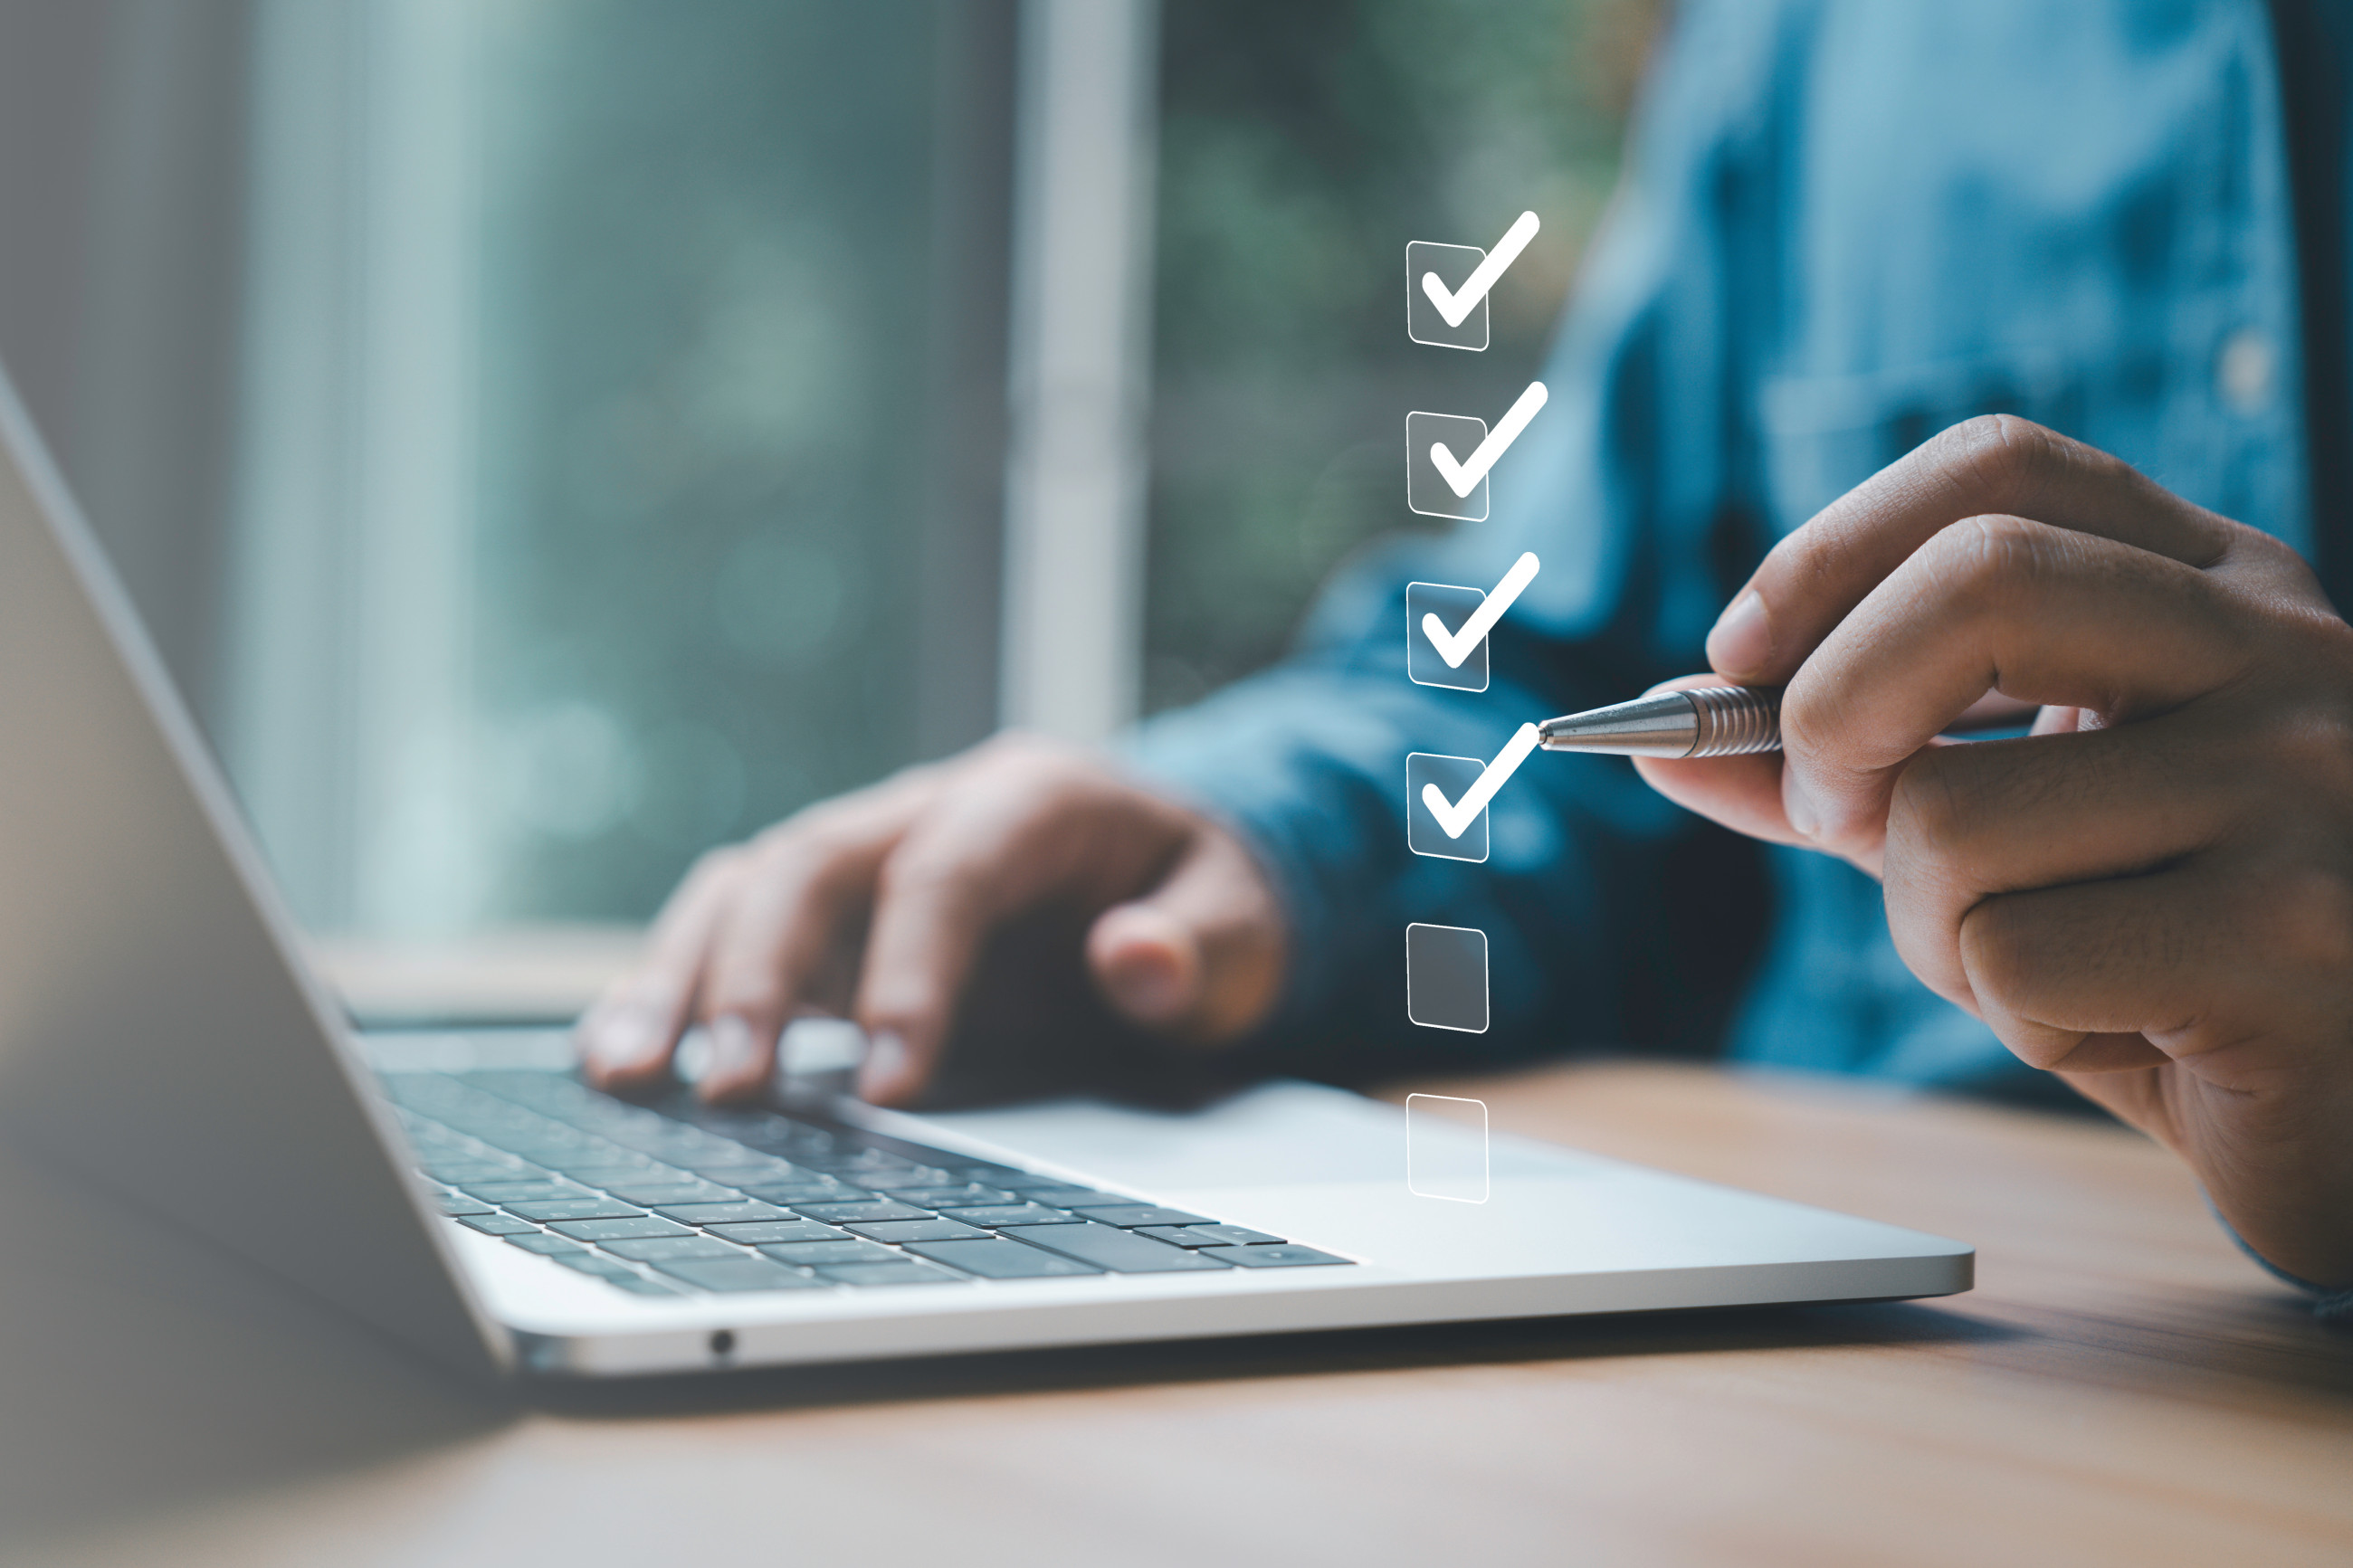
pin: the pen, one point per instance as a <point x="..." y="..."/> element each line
<point x="1707" y="721"/>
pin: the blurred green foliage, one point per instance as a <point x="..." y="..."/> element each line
<point x="1303" y="145"/>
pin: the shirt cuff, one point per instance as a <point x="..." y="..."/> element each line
<point x="2332" y="1307"/>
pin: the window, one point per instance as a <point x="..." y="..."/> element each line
<point x="550" y="439"/>
<point x="615" y="380"/>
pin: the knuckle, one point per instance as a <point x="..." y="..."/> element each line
<point x="2312" y="753"/>
<point x="746" y="989"/>
<point x="2002" y="450"/>
<point x="932" y="870"/>
<point x="2307" y="915"/>
<point x="715" y="868"/>
<point x="1995" y="950"/>
<point x="1988" y="562"/>
<point x="1932" y="814"/>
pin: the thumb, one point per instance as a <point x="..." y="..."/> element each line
<point x="1200" y="956"/>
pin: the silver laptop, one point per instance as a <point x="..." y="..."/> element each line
<point x="160" y="1032"/>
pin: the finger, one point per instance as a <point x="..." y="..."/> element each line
<point x="1743" y="793"/>
<point x="1008" y="842"/>
<point x="2212" y="962"/>
<point x="626" y="1037"/>
<point x="1968" y="822"/>
<point x="2182" y="962"/>
<point x="1199" y="956"/>
<point x="1808" y="581"/>
<point x="2043" y="613"/>
<point x="806" y="889"/>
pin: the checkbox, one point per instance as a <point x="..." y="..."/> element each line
<point x="1426" y="490"/>
<point x="1424" y="664"/>
<point x="1453" y="777"/>
<point x="1446" y="977"/>
<point x="1446" y="1148"/>
<point x="1453" y="264"/>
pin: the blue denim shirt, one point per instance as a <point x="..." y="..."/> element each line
<point x="1844" y="226"/>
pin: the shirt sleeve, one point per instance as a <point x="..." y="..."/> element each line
<point x="1610" y="915"/>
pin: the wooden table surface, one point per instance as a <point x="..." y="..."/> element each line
<point x="2121" y="1387"/>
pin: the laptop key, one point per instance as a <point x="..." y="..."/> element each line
<point x="995" y="1259"/>
<point x="899" y="1232"/>
<point x="793" y="1195"/>
<point x="953" y="1197"/>
<point x="843" y="1214"/>
<point x="1206" y="1235"/>
<point x="1135" y="1217"/>
<point x="896" y="1182"/>
<point x="638" y="1285"/>
<point x="589" y="1262"/>
<point x="538" y="1241"/>
<point x="654" y="1194"/>
<point x="740" y="1212"/>
<point x="1120" y="1251"/>
<point x="777" y="1230"/>
<point x="997" y="1216"/>
<point x="601" y="1231"/>
<point x="498" y="1225"/>
<point x="732" y="1274"/>
<point x="604" y="1178"/>
<point x="809" y="1254"/>
<point x="504" y="1193"/>
<point x="1284" y="1255"/>
<point x="1061" y="1195"/>
<point x="576" y="1208"/>
<point x="907" y="1271"/>
<point x="457" y="1173"/>
<point x="660" y="1249"/>
<point x="457" y="1205"/>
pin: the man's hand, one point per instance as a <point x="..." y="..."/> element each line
<point x="876" y="906"/>
<point x="2152" y="894"/>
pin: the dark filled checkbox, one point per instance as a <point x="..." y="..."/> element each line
<point x="1446" y="977"/>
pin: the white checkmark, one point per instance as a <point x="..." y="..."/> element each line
<point x="1456" y="647"/>
<point x="1463" y="478"/>
<point x="1457" y="306"/>
<point x="1456" y="816"/>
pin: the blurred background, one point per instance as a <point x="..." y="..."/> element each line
<point x="550" y="438"/>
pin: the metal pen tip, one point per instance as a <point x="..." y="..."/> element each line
<point x="1706" y="721"/>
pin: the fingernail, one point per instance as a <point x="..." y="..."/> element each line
<point x="734" y="1052"/>
<point x="1153" y="983"/>
<point x="624" y="1039"/>
<point x="1743" y="638"/>
<point x="886" y="1060"/>
<point x="1150" y="990"/>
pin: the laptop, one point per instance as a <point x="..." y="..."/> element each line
<point x="161" y="1034"/>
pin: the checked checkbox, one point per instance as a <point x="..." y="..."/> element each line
<point x="1445" y="808"/>
<point x="1426" y="490"/>
<point x="1454" y="778"/>
<point x="1446" y="286"/>
<point x="1447" y="456"/>
<point x="1452" y="266"/>
<point x="1447" y="626"/>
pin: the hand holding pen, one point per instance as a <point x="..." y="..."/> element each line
<point x="2152" y="893"/>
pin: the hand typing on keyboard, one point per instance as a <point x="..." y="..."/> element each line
<point x="876" y="906"/>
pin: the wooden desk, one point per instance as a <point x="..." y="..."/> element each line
<point x="2121" y="1388"/>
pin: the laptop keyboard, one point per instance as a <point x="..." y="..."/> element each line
<point x="683" y="1198"/>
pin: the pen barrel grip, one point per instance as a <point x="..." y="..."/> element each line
<point x="1735" y="720"/>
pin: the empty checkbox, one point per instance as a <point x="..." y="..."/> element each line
<point x="1446" y="977"/>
